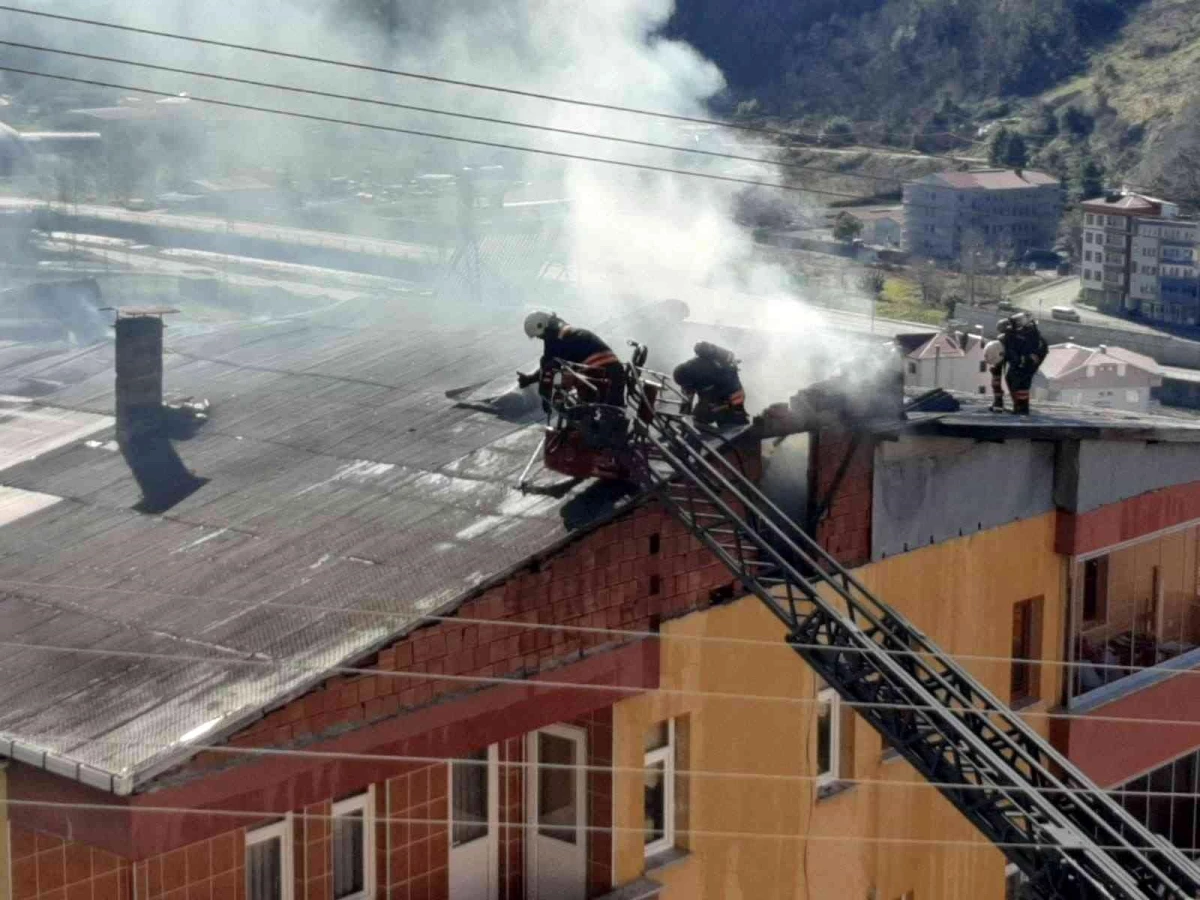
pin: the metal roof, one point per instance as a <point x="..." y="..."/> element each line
<point x="347" y="497"/>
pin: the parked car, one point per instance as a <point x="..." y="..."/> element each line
<point x="1064" y="313"/>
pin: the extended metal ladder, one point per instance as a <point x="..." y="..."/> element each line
<point x="1069" y="837"/>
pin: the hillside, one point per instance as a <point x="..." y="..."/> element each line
<point x="1116" y="82"/>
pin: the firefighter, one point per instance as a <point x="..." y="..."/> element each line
<point x="711" y="385"/>
<point x="993" y="355"/>
<point x="566" y="343"/>
<point x="1024" y="351"/>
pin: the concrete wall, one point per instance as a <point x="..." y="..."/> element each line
<point x="757" y="828"/>
<point x="929" y="490"/>
<point x="1093" y="473"/>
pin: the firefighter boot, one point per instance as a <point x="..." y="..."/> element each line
<point x="1021" y="403"/>
<point x="997" y="403"/>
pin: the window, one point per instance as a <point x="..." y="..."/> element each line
<point x="835" y="730"/>
<point x="469" y="799"/>
<point x="353" y="847"/>
<point x="659" y="774"/>
<point x="912" y="368"/>
<point x="982" y="389"/>
<point x="1095" y="590"/>
<point x="269" y="862"/>
<point x="1026" y="643"/>
<point x="983" y="365"/>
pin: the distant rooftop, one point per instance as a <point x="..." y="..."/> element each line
<point x="1066" y="358"/>
<point x="990" y="179"/>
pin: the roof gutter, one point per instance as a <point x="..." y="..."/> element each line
<point x="62" y="766"/>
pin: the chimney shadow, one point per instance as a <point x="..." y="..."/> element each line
<point x="144" y="424"/>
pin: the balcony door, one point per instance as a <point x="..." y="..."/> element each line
<point x="556" y="794"/>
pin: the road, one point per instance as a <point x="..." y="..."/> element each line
<point x="1065" y="292"/>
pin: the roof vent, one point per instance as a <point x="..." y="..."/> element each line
<point x="1103" y="348"/>
<point x="1112" y="196"/>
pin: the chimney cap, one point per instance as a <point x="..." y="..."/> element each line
<point x="134" y="311"/>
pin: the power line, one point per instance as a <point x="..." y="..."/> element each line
<point x="704" y="774"/>
<point x="534" y="682"/>
<point x="499" y="145"/>
<point x="632" y="634"/>
<point x="400" y="73"/>
<point x="437" y="79"/>
<point x="491" y="120"/>
<point x="254" y="816"/>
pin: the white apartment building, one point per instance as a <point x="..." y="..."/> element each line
<point x="1139" y="258"/>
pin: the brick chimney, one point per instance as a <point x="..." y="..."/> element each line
<point x="141" y="417"/>
<point x="139" y="353"/>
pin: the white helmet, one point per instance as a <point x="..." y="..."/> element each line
<point x="536" y="323"/>
<point x="993" y="353"/>
<point x="1020" y="319"/>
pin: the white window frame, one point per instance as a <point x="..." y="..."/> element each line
<point x="666" y="756"/>
<point x="833" y="699"/>
<point x="366" y="803"/>
<point x="283" y="831"/>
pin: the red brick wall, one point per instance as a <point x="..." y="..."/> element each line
<point x="512" y="817"/>
<point x="845" y="528"/>
<point x="213" y="869"/>
<point x="1136" y="517"/>
<point x="48" y="868"/>
<point x="599" y="800"/>
<point x="416" y="860"/>
<point x="312" y="853"/>
<point x="607" y="579"/>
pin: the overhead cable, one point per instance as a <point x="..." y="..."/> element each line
<point x="412" y="132"/>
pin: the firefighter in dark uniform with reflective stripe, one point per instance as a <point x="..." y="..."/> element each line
<point x="1024" y="352"/>
<point x="712" y="387"/>
<point x="566" y="343"/>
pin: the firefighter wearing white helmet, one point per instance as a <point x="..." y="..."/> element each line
<point x="1024" y="350"/>
<point x="565" y="343"/>
<point x="993" y="355"/>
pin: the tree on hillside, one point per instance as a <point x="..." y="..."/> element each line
<point x="998" y="146"/>
<point x="1017" y="156"/>
<point x="846" y="227"/>
<point x="1089" y="179"/>
<point x="1008" y="149"/>
<point x="838" y="132"/>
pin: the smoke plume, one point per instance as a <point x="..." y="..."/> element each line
<point x="632" y="236"/>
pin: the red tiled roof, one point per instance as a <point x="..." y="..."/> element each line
<point x="991" y="179"/>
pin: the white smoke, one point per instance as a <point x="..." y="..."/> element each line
<point x="634" y="236"/>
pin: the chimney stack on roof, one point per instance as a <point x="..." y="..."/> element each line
<point x="1103" y="348"/>
<point x="139" y="353"/>
<point x="141" y="416"/>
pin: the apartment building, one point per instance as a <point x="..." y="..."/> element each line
<point x="1139" y="258"/>
<point x="996" y="213"/>
<point x="358" y="663"/>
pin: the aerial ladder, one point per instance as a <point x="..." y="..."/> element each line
<point x="1071" y="839"/>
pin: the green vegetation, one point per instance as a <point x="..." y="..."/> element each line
<point x="901" y="299"/>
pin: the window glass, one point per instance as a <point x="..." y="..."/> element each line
<point x="469" y="787"/>
<point x="556" y="787"/>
